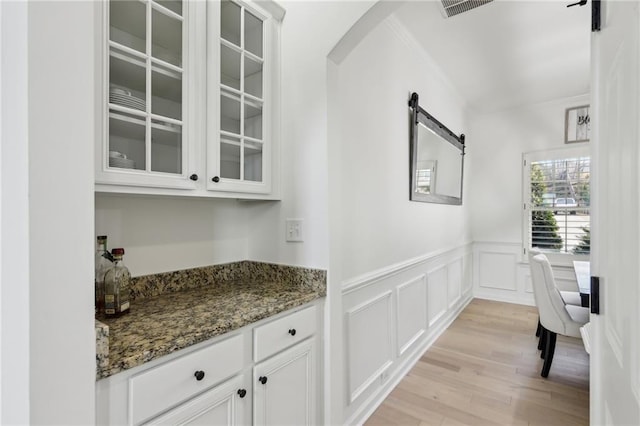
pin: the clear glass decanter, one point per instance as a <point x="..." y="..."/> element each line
<point x="116" y="286"/>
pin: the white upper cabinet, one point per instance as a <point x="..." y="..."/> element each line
<point x="241" y="76"/>
<point x="145" y="137"/>
<point x="189" y="98"/>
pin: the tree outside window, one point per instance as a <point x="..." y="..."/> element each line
<point x="544" y="227"/>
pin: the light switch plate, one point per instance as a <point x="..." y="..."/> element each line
<point x="293" y="229"/>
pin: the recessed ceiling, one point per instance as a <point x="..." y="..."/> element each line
<point x="507" y="53"/>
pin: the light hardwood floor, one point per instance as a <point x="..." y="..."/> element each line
<point x="485" y="370"/>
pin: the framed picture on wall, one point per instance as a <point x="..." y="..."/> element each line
<point x="577" y="124"/>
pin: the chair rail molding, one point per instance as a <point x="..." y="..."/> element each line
<point x="369" y="278"/>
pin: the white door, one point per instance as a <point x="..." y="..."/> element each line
<point x="284" y="388"/>
<point x="615" y="255"/>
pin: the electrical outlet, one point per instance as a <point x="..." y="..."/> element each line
<point x="294" y="230"/>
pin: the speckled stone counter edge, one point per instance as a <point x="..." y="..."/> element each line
<point x="102" y="345"/>
<point x="168" y="282"/>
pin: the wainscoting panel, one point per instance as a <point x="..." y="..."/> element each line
<point x="454" y="279"/>
<point x="437" y="282"/>
<point x="565" y="278"/>
<point x="411" y="312"/>
<point x="369" y="342"/>
<point x="498" y="270"/>
<point x="392" y="316"/>
<point x="467" y="281"/>
<point x="528" y="283"/>
<point x="501" y="272"/>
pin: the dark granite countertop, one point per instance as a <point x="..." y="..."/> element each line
<point x="165" y="323"/>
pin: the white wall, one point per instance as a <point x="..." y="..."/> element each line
<point x="401" y="265"/>
<point x="14" y="215"/>
<point x="161" y="234"/>
<point x="61" y="131"/>
<point x="496" y="144"/>
<point x="380" y="226"/>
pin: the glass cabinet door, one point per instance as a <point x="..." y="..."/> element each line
<point x="145" y="87"/>
<point x="241" y="137"/>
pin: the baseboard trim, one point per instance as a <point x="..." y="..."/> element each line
<point x="499" y="298"/>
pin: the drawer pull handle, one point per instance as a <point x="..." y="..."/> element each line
<point x="292" y="331"/>
<point x="263" y="380"/>
<point x="242" y="393"/>
<point x="199" y="375"/>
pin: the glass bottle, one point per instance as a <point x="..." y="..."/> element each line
<point x="102" y="263"/>
<point x="116" y="286"/>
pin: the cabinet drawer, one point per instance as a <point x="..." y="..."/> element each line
<point x="162" y="387"/>
<point x="284" y="332"/>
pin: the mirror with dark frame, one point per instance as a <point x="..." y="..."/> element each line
<point x="437" y="159"/>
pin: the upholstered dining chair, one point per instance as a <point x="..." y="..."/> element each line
<point x="555" y="317"/>
<point x="568" y="297"/>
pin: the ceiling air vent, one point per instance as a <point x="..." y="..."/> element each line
<point x="455" y="7"/>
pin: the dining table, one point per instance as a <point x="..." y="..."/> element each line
<point x="582" y="270"/>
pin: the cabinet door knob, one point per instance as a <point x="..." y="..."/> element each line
<point x="292" y="331"/>
<point x="215" y="179"/>
<point x="199" y="375"/>
<point x="263" y="380"/>
<point x="242" y="393"/>
<point x="193" y="177"/>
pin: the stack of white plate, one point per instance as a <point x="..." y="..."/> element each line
<point x="117" y="159"/>
<point x="123" y="163"/>
<point x="122" y="96"/>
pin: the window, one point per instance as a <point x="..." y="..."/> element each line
<point x="557" y="200"/>
<point x="426" y="177"/>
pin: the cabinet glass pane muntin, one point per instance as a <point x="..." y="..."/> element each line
<point x="127" y="135"/>
<point x="253" y="34"/>
<point x="253" y="120"/>
<point x="146" y="49"/>
<point x="166" y="38"/>
<point x="253" y="161"/>
<point x="166" y="147"/>
<point x="230" y="67"/>
<point x="128" y="24"/>
<point x="230" y="113"/>
<point x="241" y="93"/>
<point x="173" y="5"/>
<point x="252" y="77"/>
<point x="230" y="14"/>
<point x="166" y="94"/>
<point x="230" y="159"/>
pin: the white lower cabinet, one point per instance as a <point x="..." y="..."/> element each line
<point x="212" y="385"/>
<point x="226" y="404"/>
<point x="285" y="387"/>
